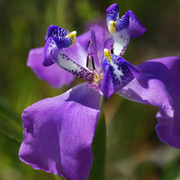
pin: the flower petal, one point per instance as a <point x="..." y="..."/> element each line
<point x="54" y="75"/>
<point x="48" y="48"/>
<point x="108" y="44"/>
<point x="79" y="51"/>
<point x="122" y="29"/>
<point x="69" y="65"/>
<point x="159" y="85"/>
<point x="136" y="28"/>
<point x="56" y="39"/>
<point x="116" y="74"/>
<point x="59" y="132"/>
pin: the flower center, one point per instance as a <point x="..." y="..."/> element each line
<point x="98" y="76"/>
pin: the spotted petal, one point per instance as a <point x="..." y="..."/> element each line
<point x="117" y="73"/>
<point x="59" y="132"/>
<point x="54" y="75"/>
<point x="159" y="85"/>
<point x="122" y="29"/>
<point x="71" y="66"/>
<point x="79" y="51"/>
<point x="56" y="39"/>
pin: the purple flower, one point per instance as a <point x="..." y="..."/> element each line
<point x="59" y="131"/>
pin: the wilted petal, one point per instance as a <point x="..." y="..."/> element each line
<point x="117" y="73"/>
<point x="54" y="75"/>
<point x="59" y="132"/>
<point x="159" y="85"/>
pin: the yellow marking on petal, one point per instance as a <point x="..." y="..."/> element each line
<point x="107" y="54"/>
<point x="72" y="35"/>
<point x="112" y="26"/>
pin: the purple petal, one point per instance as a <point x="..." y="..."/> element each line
<point x="69" y="65"/>
<point x="122" y="29"/>
<point x="112" y="12"/>
<point x="79" y="52"/>
<point x="118" y="28"/>
<point x="56" y="32"/>
<point x="56" y="39"/>
<point x="108" y="44"/>
<point x="48" y="48"/>
<point x="135" y="26"/>
<point x="116" y="74"/>
<point x="59" y="132"/>
<point x="97" y="35"/>
<point x="54" y="75"/>
<point x="159" y="85"/>
<point x="92" y="47"/>
<point x="100" y="38"/>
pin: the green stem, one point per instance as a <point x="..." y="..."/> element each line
<point x="99" y="149"/>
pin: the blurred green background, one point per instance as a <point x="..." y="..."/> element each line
<point x="133" y="150"/>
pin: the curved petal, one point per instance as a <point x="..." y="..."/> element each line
<point x="71" y="66"/>
<point x="136" y="28"/>
<point x="56" y="39"/>
<point x="108" y="44"/>
<point x="79" y="51"/>
<point x="118" y="28"/>
<point x="117" y="73"/>
<point x="59" y="132"/>
<point x="48" y="48"/>
<point x="122" y="29"/>
<point x="53" y="74"/>
<point x="159" y="85"/>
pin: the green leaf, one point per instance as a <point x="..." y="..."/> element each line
<point x="99" y="149"/>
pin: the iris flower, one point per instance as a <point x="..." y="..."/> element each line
<point x="59" y="131"/>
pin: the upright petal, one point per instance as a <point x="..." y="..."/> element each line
<point x="79" y="51"/>
<point x="122" y="29"/>
<point x="56" y="39"/>
<point x="136" y="28"/>
<point x="59" y="132"/>
<point x="54" y="75"/>
<point x="117" y="73"/>
<point x="159" y="85"/>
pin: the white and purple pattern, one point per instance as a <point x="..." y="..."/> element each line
<point x="70" y="119"/>
<point x="59" y="131"/>
<point x="117" y="74"/>
<point x="122" y="29"/>
<point x="72" y="67"/>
